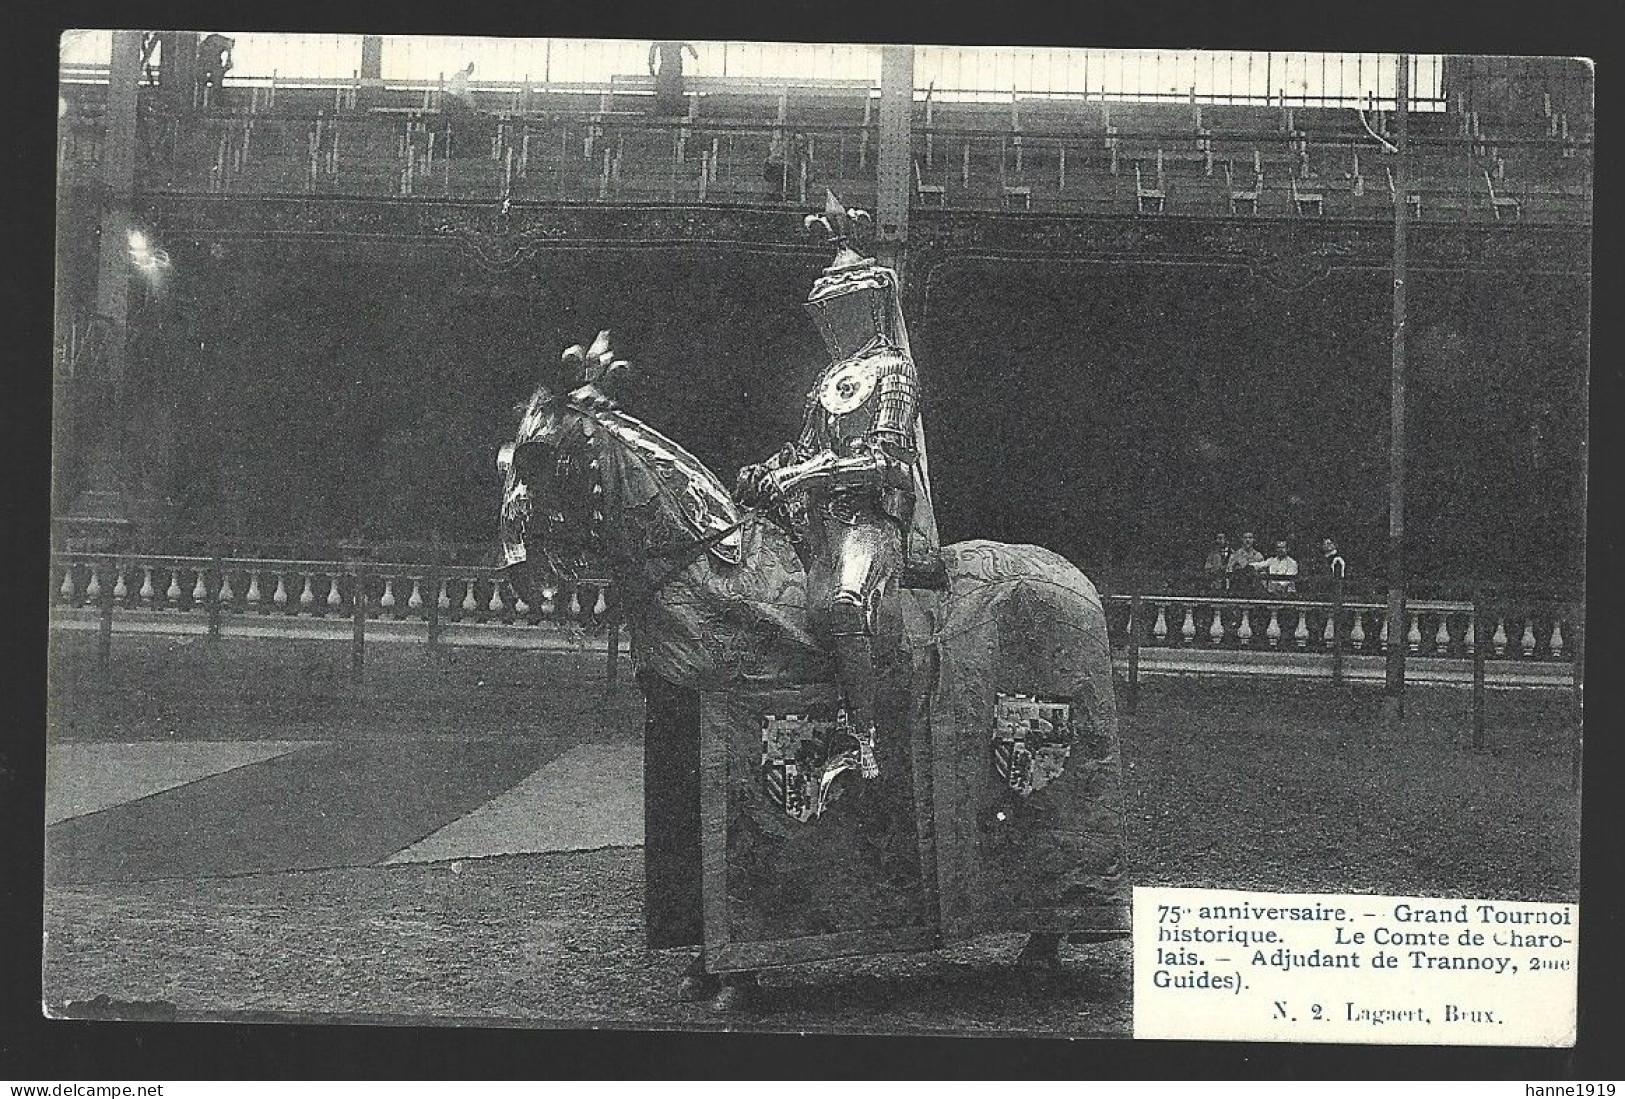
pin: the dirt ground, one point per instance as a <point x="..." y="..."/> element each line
<point x="1233" y="784"/>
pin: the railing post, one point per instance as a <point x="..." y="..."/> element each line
<point x="1480" y="644"/>
<point x="1578" y="650"/>
<point x="104" y="638"/>
<point x="1337" y="631"/>
<point x="1133" y="652"/>
<point x="613" y="625"/>
<point x="218" y="572"/>
<point x="1396" y="562"/>
<point x="358" y="616"/>
<point x="434" y="589"/>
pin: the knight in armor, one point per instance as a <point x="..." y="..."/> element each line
<point x="852" y="482"/>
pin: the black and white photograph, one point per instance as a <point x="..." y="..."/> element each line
<point x="817" y="537"/>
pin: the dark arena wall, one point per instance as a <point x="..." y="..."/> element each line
<point x="335" y="397"/>
<point x="330" y="397"/>
<point x="1127" y="413"/>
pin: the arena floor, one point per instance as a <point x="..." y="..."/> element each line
<point x="238" y="831"/>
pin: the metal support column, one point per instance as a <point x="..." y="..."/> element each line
<point x="894" y="185"/>
<point x="372" y="60"/>
<point x="1136" y="624"/>
<point x="372" y="71"/>
<point x="1396" y="423"/>
<point x="177" y="60"/>
<point x="102" y="499"/>
<point x="893" y="171"/>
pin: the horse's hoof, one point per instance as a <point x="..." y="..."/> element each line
<point x="695" y="987"/>
<point x="1041" y="952"/>
<point x="737" y="996"/>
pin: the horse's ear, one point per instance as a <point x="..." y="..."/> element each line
<point x="535" y="413"/>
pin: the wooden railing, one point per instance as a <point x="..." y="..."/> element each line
<point x="1208" y="171"/>
<point x="1202" y="167"/>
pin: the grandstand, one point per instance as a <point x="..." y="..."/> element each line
<point x="1080" y="131"/>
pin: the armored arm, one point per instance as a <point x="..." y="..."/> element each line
<point x="899" y="397"/>
<point x="865" y="468"/>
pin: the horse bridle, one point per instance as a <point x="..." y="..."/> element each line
<point x="686" y="554"/>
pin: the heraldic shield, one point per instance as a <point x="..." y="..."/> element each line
<point x="1032" y="738"/>
<point x="802" y="757"/>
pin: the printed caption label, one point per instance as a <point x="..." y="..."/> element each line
<point x="1326" y="967"/>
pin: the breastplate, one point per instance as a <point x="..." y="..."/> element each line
<point x="844" y="402"/>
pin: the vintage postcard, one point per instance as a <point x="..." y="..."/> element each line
<point x="905" y="539"/>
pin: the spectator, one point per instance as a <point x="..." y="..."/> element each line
<point x="773" y="170"/>
<point x="459" y="98"/>
<point x="669" y="76"/>
<point x="149" y="49"/>
<point x="1216" y="568"/>
<point x="1336" y="568"/>
<point x="457" y="113"/>
<point x="214" y="61"/>
<point x="1244" y="558"/>
<point x="1280" y="564"/>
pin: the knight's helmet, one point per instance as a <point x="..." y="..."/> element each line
<point x="855" y="300"/>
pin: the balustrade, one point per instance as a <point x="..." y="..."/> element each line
<point x="1434" y="628"/>
<point x="257" y="588"/>
<point x="268" y="591"/>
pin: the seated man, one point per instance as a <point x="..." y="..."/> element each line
<point x="1336" y="567"/>
<point x="214" y="61"/>
<point x="1281" y="564"/>
<point x="850" y="482"/>
<point x="459" y="98"/>
<point x="1243" y="559"/>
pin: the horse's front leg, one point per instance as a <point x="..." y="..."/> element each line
<point x="1043" y="948"/>
<point x="697" y="985"/>
<point x="729" y="992"/>
<point x="740" y="992"/>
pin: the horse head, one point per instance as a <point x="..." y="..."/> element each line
<point x="584" y="483"/>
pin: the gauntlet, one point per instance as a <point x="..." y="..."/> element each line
<point x="755" y="486"/>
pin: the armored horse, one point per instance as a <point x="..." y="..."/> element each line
<point x="995" y="806"/>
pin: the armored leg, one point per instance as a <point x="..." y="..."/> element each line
<point x="858" y="559"/>
<point x="855" y="669"/>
